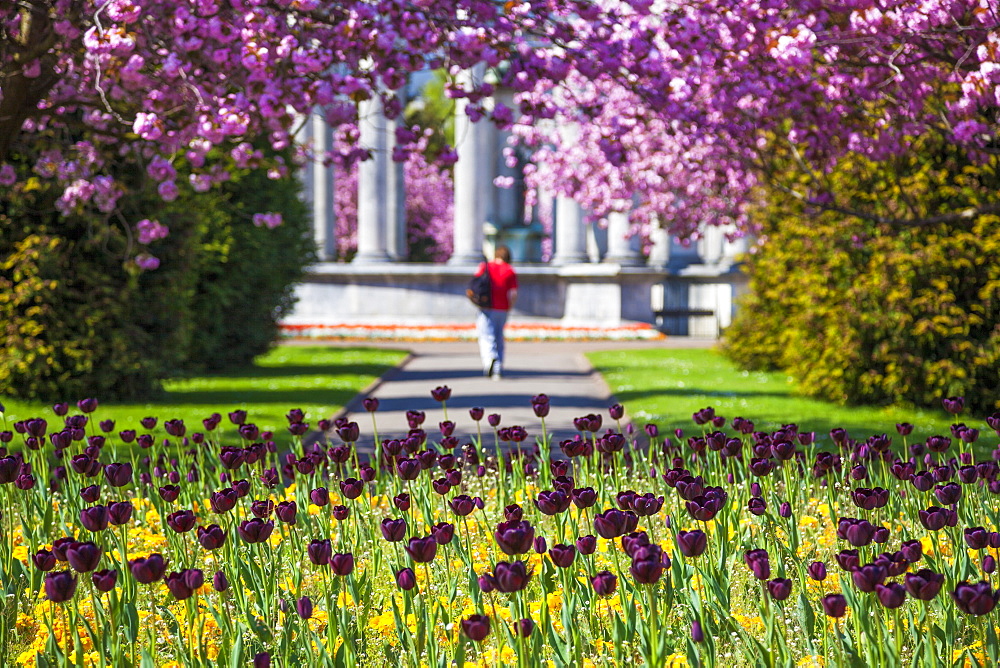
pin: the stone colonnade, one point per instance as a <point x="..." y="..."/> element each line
<point x="381" y="235"/>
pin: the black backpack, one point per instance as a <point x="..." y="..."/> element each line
<point x="480" y="290"/>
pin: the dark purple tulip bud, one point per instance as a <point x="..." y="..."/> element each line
<point x="493" y="419"/>
<point x="177" y="584"/>
<point x="402" y="501"/>
<point x="584" y="497"/>
<point x="181" y="521"/>
<point x="393" y="530"/>
<point x="616" y="411"/>
<point x="60" y="586"/>
<point x="422" y="550"/>
<point x="175" y="428"/>
<point x="476" y="413"/>
<point x="513" y="513"/>
<point x="370" y="404"/>
<point x="561" y="555"/>
<point x="352" y="488"/>
<point x="977" y="538"/>
<point x="407" y="468"/>
<point x="342" y="564"/>
<point x="147" y="570"/>
<point x="989" y="564"/>
<point x="441" y="393"/>
<point x="120" y="512"/>
<point x="697" y="635"/>
<point x="652" y="431"/>
<point x="891" y="595"/>
<point x="441" y="486"/>
<point x="447" y="428"/>
<point x="953" y="405"/>
<point x="25" y="481"/>
<point x="415" y="418"/>
<point x="692" y="543"/>
<point x="476" y="627"/>
<point x="462" y="505"/>
<point x="340" y="513"/>
<point x="935" y="518"/>
<point x="759" y="562"/>
<point x="586" y="544"/>
<point x="443" y="532"/>
<point x="286" y="511"/>
<point x="104" y="581"/>
<point x="406" y="579"/>
<point x="60" y="408"/>
<point x="605" y="583"/>
<point x="44" y="560"/>
<point x="975" y="599"/>
<point x="880" y="535"/>
<point x="523" y="628"/>
<point x="904" y="428"/>
<point x="486" y="583"/>
<point x="60" y="545"/>
<point x="88" y="405"/>
<point x="610" y="523"/>
<point x="320" y="551"/>
<point x="924" y="585"/>
<point x="220" y="582"/>
<point x="304" y="607"/>
<point x="817" y="571"/>
<point x="514" y="537"/>
<point x="785" y="509"/>
<point x="539" y="545"/>
<point x="90" y="494"/>
<point x="242" y="487"/>
<point x="948" y="494"/>
<point x="262" y="660"/>
<point x="552" y="502"/>
<point x="255" y="530"/>
<point x="224" y="500"/>
<point x="211" y="537"/>
<point x="647" y="570"/>
<point x="834" y="605"/>
<point x="866" y="577"/>
<point x="757" y="506"/>
<point x="779" y="588"/>
<point x="118" y="474"/>
<point x="912" y="551"/>
<point x="94" y="518"/>
<point x="169" y="493"/>
<point x="262" y="508"/>
<point x="511" y="577"/>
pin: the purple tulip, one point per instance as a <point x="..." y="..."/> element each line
<point x="975" y="599"/>
<point x="891" y="595"/>
<point x="219" y="581"/>
<point x="586" y="544"/>
<point x="422" y="550"/>
<point x="255" y="530"/>
<point x="224" y="500"/>
<point x="320" y="551"/>
<point x="605" y="583"/>
<point x="759" y="562"/>
<point x="84" y="557"/>
<point x="393" y="530"/>
<point x="552" y="502"/>
<point x="514" y="537"/>
<point x="342" y="564"/>
<point x="286" y="511"/>
<point x="443" y="532"/>
<point x="181" y="521"/>
<point x="692" y="543"/>
<point x="105" y="580"/>
<point x="147" y="570"/>
<point x="60" y="586"/>
<point x="977" y="538"/>
<point x="94" y="518"/>
<point x="779" y="588"/>
<point x="185" y="583"/>
<point x="262" y="660"/>
<point x="304" y="607"/>
<point x="120" y="512"/>
<point x="817" y="571"/>
<point x="866" y="577"/>
<point x="561" y="555"/>
<point x="44" y="560"/>
<point x="406" y="579"/>
<point x="935" y="518"/>
<point x="211" y="537"/>
<point x="834" y="605"/>
<point x="511" y="577"/>
<point x="476" y="627"/>
<point x="697" y="635"/>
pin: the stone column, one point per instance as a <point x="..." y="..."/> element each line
<point x="374" y="198"/>
<point x="324" y="212"/>
<point x="659" y="254"/>
<point x="570" y="237"/>
<point x="469" y="208"/>
<point x="621" y="249"/>
<point x="398" y="247"/>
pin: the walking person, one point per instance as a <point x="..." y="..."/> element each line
<point x="490" y="321"/>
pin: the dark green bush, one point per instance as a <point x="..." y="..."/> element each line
<point x="77" y="318"/>
<point x="860" y="312"/>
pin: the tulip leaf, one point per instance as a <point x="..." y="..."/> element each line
<point x="131" y="621"/>
<point x="147" y="660"/>
<point x="236" y="656"/>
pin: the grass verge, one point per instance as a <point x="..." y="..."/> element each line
<point x="666" y="386"/>
<point x="319" y="380"/>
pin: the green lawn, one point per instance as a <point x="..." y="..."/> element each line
<point x="319" y="380"/>
<point x="666" y="386"/>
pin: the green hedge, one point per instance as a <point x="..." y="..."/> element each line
<point x="78" y="319"/>
<point x="877" y="314"/>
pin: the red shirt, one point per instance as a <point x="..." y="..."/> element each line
<point x="503" y="280"/>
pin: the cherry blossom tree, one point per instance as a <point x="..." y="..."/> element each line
<point x="685" y="107"/>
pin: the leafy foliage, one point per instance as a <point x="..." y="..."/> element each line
<point x="860" y="312"/>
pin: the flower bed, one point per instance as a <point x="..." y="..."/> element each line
<point x="514" y="331"/>
<point x="157" y="545"/>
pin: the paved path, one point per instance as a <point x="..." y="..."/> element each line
<point x="558" y="369"/>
